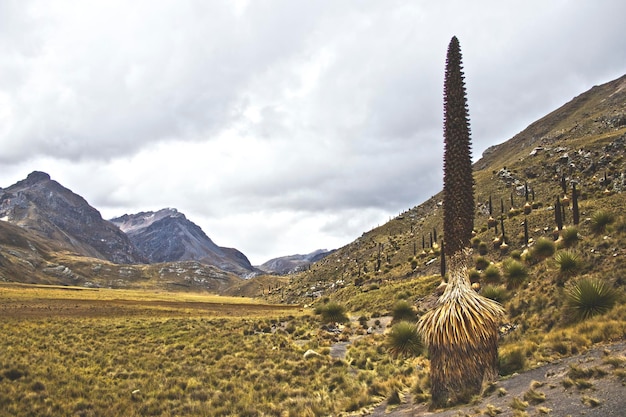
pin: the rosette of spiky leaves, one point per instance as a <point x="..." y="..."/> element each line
<point x="589" y="297"/>
<point x="458" y="182"/>
<point x="404" y="340"/>
<point x="461" y="333"/>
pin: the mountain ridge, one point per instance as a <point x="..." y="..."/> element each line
<point x="44" y="206"/>
<point x="168" y="236"/>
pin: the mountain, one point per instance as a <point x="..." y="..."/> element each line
<point x="28" y="257"/>
<point x="168" y="236"/>
<point x="45" y="207"/>
<point x="293" y="263"/>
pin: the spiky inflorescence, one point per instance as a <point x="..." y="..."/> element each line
<point x="458" y="182"/>
<point x="461" y="333"/>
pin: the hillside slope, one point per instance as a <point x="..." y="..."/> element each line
<point x="580" y="143"/>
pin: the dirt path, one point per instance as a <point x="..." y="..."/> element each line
<point x="597" y="396"/>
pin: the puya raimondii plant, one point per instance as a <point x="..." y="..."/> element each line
<point x="461" y="332"/>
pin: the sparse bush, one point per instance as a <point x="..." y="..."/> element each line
<point x="517" y="404"/>
<point x="534" y="397"/>
<point x="589" y="297"/>
<point x="515" y="272"/>
<point x="492" y="274"/>
<point x="543" y="248"/>
<point x="600" y="220"/>
<point x="404" y="340"/>
<point x="403" y="311"/>
<point x="334" y="312"/>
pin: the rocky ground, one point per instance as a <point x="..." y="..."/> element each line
<point x="592" y="384"/>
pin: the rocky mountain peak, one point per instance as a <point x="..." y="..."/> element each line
<point x="37" y="176"/>
<point x="44" y="206"/>
<point x="168" y="236"/>
<point x="130" y="223"/>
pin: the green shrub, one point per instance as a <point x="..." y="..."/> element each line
<point x="492" y="274"/>
<point x="543" y="248"/>
<point x="481" y="263"/>
<point x="495" y="292"/>
<point x="589" y="297"/>
<point x="569" y="262"/>
<point x="569" y="236"/>
<point x="512" y="361"/>
<point x="474" y="275"/>
<point x="404" y="340"/>
<point x="600" y="220"/>
<point x="483" y="248"/>
<point x="515" y="272"/>
<point x="403" y="311"/>
<point x="334" y="312"/>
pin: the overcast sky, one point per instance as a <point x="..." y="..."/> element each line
<point x="279" y="127"/>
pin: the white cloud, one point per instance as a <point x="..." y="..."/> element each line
<point x="280" y="126"/>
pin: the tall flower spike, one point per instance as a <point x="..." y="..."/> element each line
<point x="458" y="181"/>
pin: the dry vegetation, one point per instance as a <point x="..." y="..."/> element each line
<point x="70" y="351"/>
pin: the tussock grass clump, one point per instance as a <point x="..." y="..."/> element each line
<point x="474" y="275"/>
<point x="534" y="397"/>
<point x="576" y="372"/>
<point x="543" y="248"/>
<point x="483" y="248"/>
<point x="600" y="220"/>
<point x="495" y="292"/>
<point x="589" y="297"/>
<point x="511" y="361"/>
<point x="404" y="311"/>
<point x="404" y="340"/>
<point x="569" y="236"/>
<point x="333" y="312"/>
<point x="481" y="263"/>
<point x="590" y="401"/>
<point x="492" y="274"/>
<point x="614" y="361"/>
<point x="517" y="404"/>
<point x="515" y="272"/>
